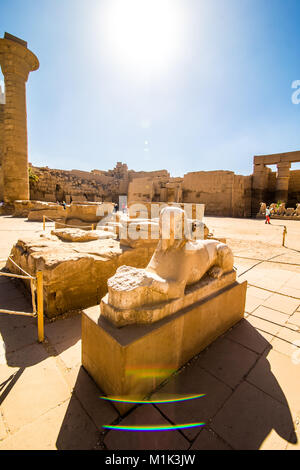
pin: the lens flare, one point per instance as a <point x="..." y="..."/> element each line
<point x="144" y="36"/>
<point x="165" y="400"/>
<point x="146" y="372"/>
<point x="154" y="428"/>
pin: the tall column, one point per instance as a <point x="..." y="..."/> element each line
<point x="282" y="181"/>
<point x="259" y="186"/>
<point x="16" y="62"/>
<point x="1" y="147"/>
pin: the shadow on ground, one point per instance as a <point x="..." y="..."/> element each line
<point x="243" y="403"/>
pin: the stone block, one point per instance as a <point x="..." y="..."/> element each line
<point x="133" y="360"/>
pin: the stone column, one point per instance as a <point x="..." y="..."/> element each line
<point x="1" y="150"/>
<point x="282" y="181"/>
<point x="259" y="186"/>
<point x="16" y="62"/>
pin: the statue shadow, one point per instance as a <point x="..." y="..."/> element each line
<point x="242" y="415"/>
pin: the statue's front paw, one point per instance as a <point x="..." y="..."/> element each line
<point x="215" y="272"/>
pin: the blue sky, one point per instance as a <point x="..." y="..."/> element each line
<point x="184" y="85"/>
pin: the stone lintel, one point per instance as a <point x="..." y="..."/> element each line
<point x="275" y="158"/>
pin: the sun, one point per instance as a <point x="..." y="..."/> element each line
<point x="145" y="36"/>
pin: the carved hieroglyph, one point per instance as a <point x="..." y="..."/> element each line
<point x="181" y="272"/>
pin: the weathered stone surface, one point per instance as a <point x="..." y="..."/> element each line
<point x="74" y="214"/>
<point x="23" y="207"/>
<point x="16" y="61"/>
<point x="77" y="235"/>
<point x="187" y="296"/>
<point x="75" y="273"/>
<point x="145" y="296"/>
<point x="51" y="213"/>
<point x="130" y="288"/>
<point x="117" y="357"/>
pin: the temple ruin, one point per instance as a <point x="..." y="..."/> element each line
<point x="280" y="186"/>
<point x="224" y="193"/>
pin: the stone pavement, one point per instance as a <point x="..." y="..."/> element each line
<point x="250" y="376"/>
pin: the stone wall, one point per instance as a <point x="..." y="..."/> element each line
<point x="81" y="186"/>
<point x="223" y="193"/>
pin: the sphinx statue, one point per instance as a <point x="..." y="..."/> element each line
<point x="290" y="211"/>
<point x="181" y="271"/>
<point x="262" y="209"/>
<point x="273" y="208"/>
<point x="281" y="209"/>
<point x="297" y="210"/>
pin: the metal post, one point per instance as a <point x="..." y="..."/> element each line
<point x="40" y="306"/>
<point x="284" y="234"/>
<point x="93" y="227"/>
<point x="44" y="222"/>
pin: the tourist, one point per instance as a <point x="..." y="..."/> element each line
<point x="268" y="213"/>
<point x="116" y="207"/>
<point x="64" y="204"/>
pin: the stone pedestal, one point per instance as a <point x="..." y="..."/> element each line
<point x="132" y="361"/>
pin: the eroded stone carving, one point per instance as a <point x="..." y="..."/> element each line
<point x="281" y="209"/>
<point x="263" y="207"/>
<point x="181" y="271"/>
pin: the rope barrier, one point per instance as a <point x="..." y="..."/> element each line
<point x="36" y="288"/>
<point x="23" y="271"/>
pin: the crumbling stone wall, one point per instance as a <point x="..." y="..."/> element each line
<point x="222" y="192"/>
<point x="81" y="186"/>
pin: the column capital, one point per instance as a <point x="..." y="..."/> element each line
<point x="16" y="59"/>
<point x="284" y="165"/>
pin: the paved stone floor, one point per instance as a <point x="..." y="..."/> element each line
<point x="250" y="376"/>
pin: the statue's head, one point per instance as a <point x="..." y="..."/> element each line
<point x="174" y="229"/>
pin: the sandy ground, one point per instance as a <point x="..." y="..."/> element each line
<point x="250" y="376"/>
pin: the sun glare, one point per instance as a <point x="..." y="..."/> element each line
<point x="145" y="36"/>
